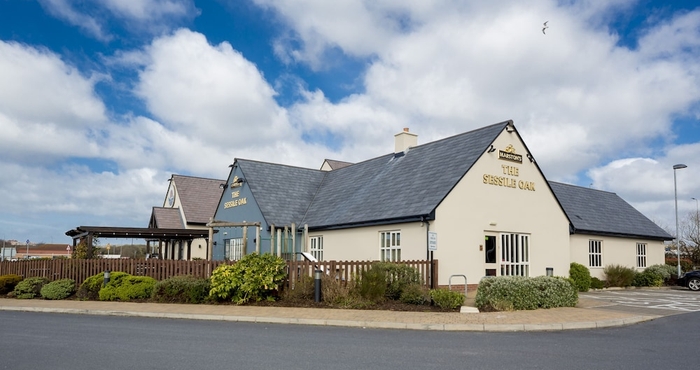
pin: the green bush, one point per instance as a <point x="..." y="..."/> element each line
<point x="254" y="277"/>
<point x="664" y="270"/>
<point x="59" y="289"/>
<point x="618" y="276"/>
<point x="90" y="288"/>
<point x="373" y="283"/>
<point x="648" y="278"/>
<point x="415" y="294"/>
<point x="522" y="293"/>
<point x="447" y="299"/>
<point x="398" y="278"/>
<point x="29" y="287"/>
<point x="128" y="288"/>
<point x="581" y="276"/>
<point x="597" y="283"/>
<point x="8" y="283"/>
<point x="182" y="289"/>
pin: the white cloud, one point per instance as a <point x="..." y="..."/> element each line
<point x="152" y="16"/>
<point x="48" y="110"/>
<point x="63" y="9"/>
<point x="576" y="96"/>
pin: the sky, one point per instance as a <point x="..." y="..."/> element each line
<point x="102" y="101"/>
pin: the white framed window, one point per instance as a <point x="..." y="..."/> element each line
<point x="515" y="254"/>
<point x="641" y="254"/>
<point x="233" y="249"/>
<point x="390" y="246"/>
<point x="595" y="253"/>
<point x="316" y="247"/>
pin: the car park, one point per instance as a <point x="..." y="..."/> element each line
<point x="691" y="280"/>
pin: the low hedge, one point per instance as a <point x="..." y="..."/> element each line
<point x="447" y="299"/>
<point x="8" y="283"/>
<point x="182" y="289"/>
<point x="29" y="287"/>
<point x="507" y="293"/>
<point x="90" y="288"/>
<point x="128" y="288"/>
<point x="59" y="289"/>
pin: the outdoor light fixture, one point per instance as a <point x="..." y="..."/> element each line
<point x="529" y="156"/>
<point x="492" y="149"/>
<point x="222" y="186"/>
<point x="675" y="197"/>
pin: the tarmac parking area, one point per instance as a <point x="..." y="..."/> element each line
<point x="664" y="301"/>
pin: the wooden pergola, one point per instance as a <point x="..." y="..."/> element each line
<point x="163" y="236"/>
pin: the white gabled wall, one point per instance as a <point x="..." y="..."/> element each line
<point x="477" y="206"/>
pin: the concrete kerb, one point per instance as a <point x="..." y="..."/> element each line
<point x="350" y="323"/>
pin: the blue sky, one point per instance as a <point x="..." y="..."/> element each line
<point x="101" y="101"/>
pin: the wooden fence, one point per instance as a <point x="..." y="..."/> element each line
<point x="79" y="270"/>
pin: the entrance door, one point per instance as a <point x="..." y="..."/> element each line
<point x="490" y="258"/>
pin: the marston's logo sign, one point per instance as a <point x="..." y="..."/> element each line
<point x="508" y="154"/>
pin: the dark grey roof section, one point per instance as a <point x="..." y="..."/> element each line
<point x="398" y="187"/>
<point x="282" y="192"/>
<point x="600" y="212"/>
<point x="199" y="197"/>
<point x="166" y="218"/>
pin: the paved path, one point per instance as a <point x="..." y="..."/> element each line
<point x="591" y="312"/>
<point x="662" y="301"/>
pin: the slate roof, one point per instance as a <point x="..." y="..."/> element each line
<point x="282" y="192"/>
<point x="390" y="188"/>
<point x="199" y="197"/>
<point x="166" y="218"/>
<point x="594" y="211"/>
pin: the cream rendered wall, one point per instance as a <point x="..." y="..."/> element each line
<point x="474" y="208"/>
<point x="616" y="251"/>
<point x="358" y="244"/>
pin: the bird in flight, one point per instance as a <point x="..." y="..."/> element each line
<point x="545" y="27"/>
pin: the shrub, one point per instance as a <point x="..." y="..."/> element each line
<point x="447" y="299"/>
<point x="521" y="293"/>
<point x="128" y="288"/>
<point x="648" y="277"/>
<point x="254" y="277"/>
<point x="664" y="270"/>
<point x="335" y="293"/>
<point x="303" y="289"/>
<point x="373" y="283"/>
<point x="398" y="278"/>
<point x="597" y="283"/>
<point x="59" y="289"/>
<point x="618" y="276"/>
<point x="90" y="288"/>
<point x="415" y="294"/>
<point x="29" y="287"/>
<point x="581" y="276"/>
<point x="182" y="289"/>
<point x="8" y="283"/>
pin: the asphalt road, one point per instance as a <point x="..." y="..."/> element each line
<point x="58" y="341"/>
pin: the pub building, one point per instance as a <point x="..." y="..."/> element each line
<point x="477" y="201"/>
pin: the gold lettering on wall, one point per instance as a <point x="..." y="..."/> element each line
<point x="235" y="203"/>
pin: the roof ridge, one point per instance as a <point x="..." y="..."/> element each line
<point x="582" y="187"/>
<point x="196" y="177"/>
<point x="277" y="164"/>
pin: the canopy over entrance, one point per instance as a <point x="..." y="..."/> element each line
<point x="166" y="236"/>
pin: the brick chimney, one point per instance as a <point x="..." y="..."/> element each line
<point x="404" y="140"/>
